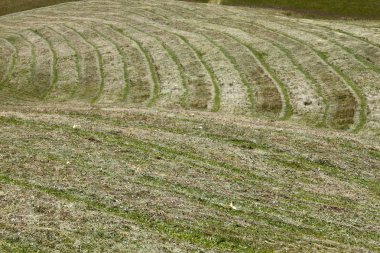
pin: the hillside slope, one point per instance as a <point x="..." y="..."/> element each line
<point x="358" y="9"/>
<point x="11" y="6"/>
<point x="123" y="180"/>
<point x="165" y="126"/>
<point x="180" y="55"/>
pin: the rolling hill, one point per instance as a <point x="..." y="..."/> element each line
<point x="11" y="6"/>
<point x="169" y="126"/>
<point x="313" y="8"/>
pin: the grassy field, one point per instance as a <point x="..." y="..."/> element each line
<point x="167" y="126"/>
<point x="316" y="8"/>
<point x="11" y="6"/>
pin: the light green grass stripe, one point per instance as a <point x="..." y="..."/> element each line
<point x="209" y="69"/>
<point x="288" y="108"/>
<point x="11" y="64"/>
<point x="99" y="58"/>
<point x="362" y="118"/>
<point x="33" y="65"/>
<point x="54" y="63"/>
<point x="125" y="64"/>
<point x="176" y="60"/>
<point x="234" y="63"/>
<point x="77" y="56"/>
<point x="148" y="59"/>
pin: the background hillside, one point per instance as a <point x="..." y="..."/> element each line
<point x="11" y="6"/>
<point x="322" y="8"/>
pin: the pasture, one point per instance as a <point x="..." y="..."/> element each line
<point x="169" y="126"/>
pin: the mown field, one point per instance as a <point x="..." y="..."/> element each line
<point x="168" y="126"/>
<point x="313" y="8"/>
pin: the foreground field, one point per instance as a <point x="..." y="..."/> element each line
<point x="127" y="180"/>
<point x="165" y="126"/>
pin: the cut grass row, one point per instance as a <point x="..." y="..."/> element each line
<point x="334" y="112"/>
<point x="361" y="119"/>
<point x="168" y="153"/>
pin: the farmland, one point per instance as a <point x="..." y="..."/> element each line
<point x="169" y="126"/>
<point x="11" y="6"/>
<point x="316" y="8"/>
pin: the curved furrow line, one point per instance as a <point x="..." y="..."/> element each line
<point x="168" y="81"/>
<point x="124" y="60"/>
<point x="199" y="97"/>
<point x="288" y="50"/>
<point x="44" y="64"/>
<point x="183" y="98"/>
<point x="197" y="92"/>
<point x="99" y="60"/>
<point x="234" y="62"/>
<point x="67" y="53"/>
<point x="341" y="116"/>
<point x="352" y="48"/>
<point x="229" y="94"/>
<point x="286" y="107"/>
<point x="6" y="74"/>
<point x="168" y="76"/>
<point x="361" y="110"/>
<point x="159" y="76"/>
<point x="115" y="84"/>
<point x="336" y="112"/>
<point x="233" y="99"/>
<point x="216" y="102"/>
<point x="53" y="63"/>
<point x="361" y="70"/>
<point x="138" y="85"/>
<point x="280" y="102"/>
<point x="21" y="82"/>
<point x="184" y="37"/>
<point x="112" y="64"/>
<point x="91" y="76"/>
<point x="306" y="73"/>
<point x="154" y="87"/>
<point x="351" y="35"/>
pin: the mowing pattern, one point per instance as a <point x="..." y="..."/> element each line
<point x="170" y="54"/>
<point x="137" y="180"/>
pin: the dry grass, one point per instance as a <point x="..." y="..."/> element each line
<point x="172" y="176"/>
<point x="176" y="127"/>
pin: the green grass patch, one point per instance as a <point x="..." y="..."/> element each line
<point x="369" y="9"/>
<point x="11" y="6"/>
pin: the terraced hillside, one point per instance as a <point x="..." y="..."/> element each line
<point x="166" y="126"/>
<point x="201" y="57"/>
